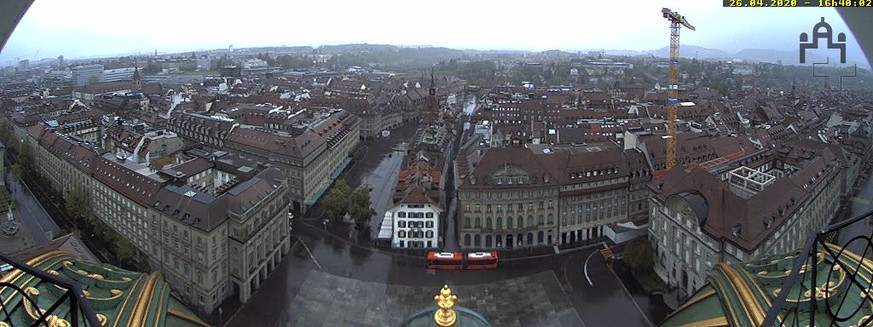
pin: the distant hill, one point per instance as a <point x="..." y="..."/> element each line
<point x="754" y="55"/>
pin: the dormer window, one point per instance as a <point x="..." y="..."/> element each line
<point x="737" y="230"/>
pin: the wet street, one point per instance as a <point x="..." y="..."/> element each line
<point x="859" y="204"/>
<point x="329" y="281"/>
<point x="450" y="232"/>
<point x="30" y="213"/>
<point x="377" y="170"/>
<point x="373" y="288"/>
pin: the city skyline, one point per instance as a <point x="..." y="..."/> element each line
<point x="110" y="29"/>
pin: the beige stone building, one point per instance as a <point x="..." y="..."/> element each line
<point x="312" y="157"/>
<point x="213" y="227"/>
<point x="509" y="201"/>
<point x="766" y="203"/>
<point x="543" y="196"/>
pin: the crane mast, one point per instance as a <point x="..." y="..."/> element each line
<point x="676" y="22"/>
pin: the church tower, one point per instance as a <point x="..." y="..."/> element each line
<point x="431" y="112"/>
<point x="137" y="79"/>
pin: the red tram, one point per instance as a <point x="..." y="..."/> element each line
<point x="458" y="261"/>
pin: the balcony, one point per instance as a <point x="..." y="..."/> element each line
<point x="63" y="305"/>
<point x="836" y="276"/>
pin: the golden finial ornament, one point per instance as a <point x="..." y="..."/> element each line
<point x="445" y="315"/>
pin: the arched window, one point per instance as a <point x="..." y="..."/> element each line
<point x="509" y="222"/>
<point x="466" y="239"/>
<point x="530" y="239"/>
<point x="551" y="219"/>
<point x="540" y="220"/>
<point x="488" y="222"/>
<point x="477" y="240"/>
<point x="540" y="237"/>
<point x="499" y="223"/>
<point x="466" y="222"/>
<point x="478" y="222"/>
<point x="530" y="221"/>
<point x="487" y="241"/>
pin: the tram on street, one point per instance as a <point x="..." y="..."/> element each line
<point x="460" y="261"/>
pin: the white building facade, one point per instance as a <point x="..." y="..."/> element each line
<point x="415" y="225"/>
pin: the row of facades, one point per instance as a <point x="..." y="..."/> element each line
<point x="214" y="226"/>
<point x="542" y="196"/>
<point x="733" y="200"/>
<point x="767" y="205"/>
<point x="312" y="158"/>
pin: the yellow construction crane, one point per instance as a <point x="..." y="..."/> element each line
<point x="676" y="21"/>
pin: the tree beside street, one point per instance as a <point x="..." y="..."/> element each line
<point x="78" y="204"/>
<point x="359" y="207"/>
<point x="25" y="158"/>
<point x="336" y="202"/>
<point x="342" y="200"/>
<point x="6" y="133"/>
<point x="640" y="257"/>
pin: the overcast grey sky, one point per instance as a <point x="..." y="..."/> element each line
<point x="77" y="28"/>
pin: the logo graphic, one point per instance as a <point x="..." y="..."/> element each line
<point x="828" y="35"/>
<point x="823" y="31"/>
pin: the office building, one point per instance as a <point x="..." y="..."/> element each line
<point x="763" y="204"/>
<point x="118" y="74"/>
<point x="85" y="75"/>
<point x="213" y="226"/>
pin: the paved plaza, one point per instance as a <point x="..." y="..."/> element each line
<point x="328" y="300"/>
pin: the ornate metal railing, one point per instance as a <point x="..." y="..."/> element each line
<point x="70" y="309"/>
<point x="828" y="284"/>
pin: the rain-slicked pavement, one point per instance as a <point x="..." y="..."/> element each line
<point x="340" y="279"/>
<point x="332" y="282"/>
<point x="31" y="213"/>
<point x="858" y="205"/>
<point x="378" y="170"/>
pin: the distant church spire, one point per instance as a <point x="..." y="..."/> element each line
<point x="137" y="78"/>
<point x="432" y="90"/>
<point x="431" y="113"/>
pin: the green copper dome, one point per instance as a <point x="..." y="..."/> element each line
<point x="119" y="297"/>
<point x="741" y="294"/>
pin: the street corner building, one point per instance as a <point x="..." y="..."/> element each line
<point x="215" y="225"/>
<point x="544" y="195"/>
<point x="761" y="203"/>
<point x="118" y="297"/>
<point x="836" y="293"/>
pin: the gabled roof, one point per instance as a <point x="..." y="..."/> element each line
<point x="499" y="158"/>
<point x="129" y="183"/>
<point x="745" y="222"/>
